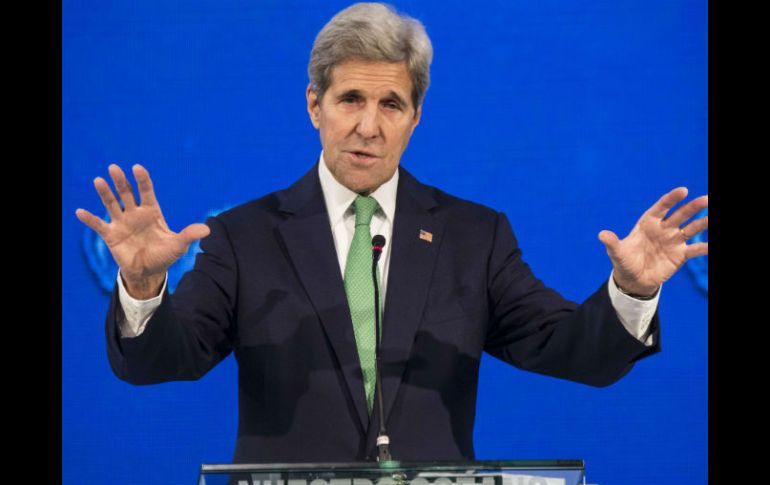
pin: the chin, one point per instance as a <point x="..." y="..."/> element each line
<point x="360" y="186"/>
<point x="362" y="190"/>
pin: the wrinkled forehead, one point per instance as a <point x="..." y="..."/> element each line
<point x="371" y="77"/>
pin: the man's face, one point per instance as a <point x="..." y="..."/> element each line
<point x="365" y="120"/>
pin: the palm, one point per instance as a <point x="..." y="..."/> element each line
<point x="657" y="246"/>
<point x="141" y="243"/>
<point x="137" y="235"/>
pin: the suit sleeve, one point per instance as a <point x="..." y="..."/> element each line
<point x="192" y="329"/>
<point x="534" y="328"/>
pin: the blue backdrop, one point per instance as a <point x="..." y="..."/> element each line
<point x="569" y="116"/>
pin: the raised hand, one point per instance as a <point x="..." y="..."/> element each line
<point x="137" y="236"/>
<point x="657" y="246"/>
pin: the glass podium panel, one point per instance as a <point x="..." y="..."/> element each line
<point x="508" y="472"/>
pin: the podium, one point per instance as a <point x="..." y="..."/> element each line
<point x="508" y="472"/>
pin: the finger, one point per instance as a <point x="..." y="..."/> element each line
<point x="90" y="220"/>
<point x="686" y="211"/>
<point x="193" y="232"/>
<point x="146" y="190"/>
<point x="122" y="186"/>
<point x="697" y="249"/>
<point x="665" y="203"/>
<point x="108" y="198"/>
<point x="610" y="241"/>
<point x="696" y="227"/>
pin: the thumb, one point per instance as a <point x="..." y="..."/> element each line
<point x="610" y="241"/>
<point x="193" y="232"/>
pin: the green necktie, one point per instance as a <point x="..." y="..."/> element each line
<point x="360" y="290"/>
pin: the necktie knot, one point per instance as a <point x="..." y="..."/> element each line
<point x="364" y="207"/>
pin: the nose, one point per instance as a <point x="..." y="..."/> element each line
<point x="369" y="122"/>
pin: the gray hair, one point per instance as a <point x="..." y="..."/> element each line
<point x="372" y="32"/>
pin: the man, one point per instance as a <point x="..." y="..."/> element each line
<point x="284" y="281"/>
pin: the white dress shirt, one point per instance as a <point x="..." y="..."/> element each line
<point x="635" y="314"/>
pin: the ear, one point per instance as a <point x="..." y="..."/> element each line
<point x="416" y="119"/>
<point x="313" y="107"/>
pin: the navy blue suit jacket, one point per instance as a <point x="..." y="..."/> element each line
<point x="267" y="287"/>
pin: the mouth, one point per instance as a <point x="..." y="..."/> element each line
<point x="362" y="156"/>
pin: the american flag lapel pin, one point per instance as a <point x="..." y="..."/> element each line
<point x="426" y="236"/>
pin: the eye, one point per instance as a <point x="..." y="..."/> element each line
<point x="392" y="105"/>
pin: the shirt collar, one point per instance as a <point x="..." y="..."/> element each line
<point x="339" y="198"/>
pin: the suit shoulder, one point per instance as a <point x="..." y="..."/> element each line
<point x="253" y="212"/>
<point x="458" y="207"/>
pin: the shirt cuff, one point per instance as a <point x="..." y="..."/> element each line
<point x="136" y="313"/>
<point x="633" y="313"/>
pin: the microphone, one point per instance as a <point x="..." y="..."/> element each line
<point x="383" y="441"/>
<point x="378" y="242"/>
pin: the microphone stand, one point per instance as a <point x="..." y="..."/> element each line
<point x="383" y="441"/>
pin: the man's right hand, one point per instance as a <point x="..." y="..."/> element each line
<point x="137" y="236"/>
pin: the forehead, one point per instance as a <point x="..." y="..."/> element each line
<point x="372" y="77"/>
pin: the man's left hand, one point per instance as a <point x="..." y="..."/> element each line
<point x="657" y="246"/>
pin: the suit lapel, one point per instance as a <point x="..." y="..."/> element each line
<point x="308" y="239"/>
<point x="412" y="261"/>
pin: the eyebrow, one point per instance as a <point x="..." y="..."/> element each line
<point x="392" y="95"/>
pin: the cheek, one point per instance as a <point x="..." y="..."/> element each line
<point x="334" y="136"/>
<point x="329" y="139"/>
<point x="404" y="137"/>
